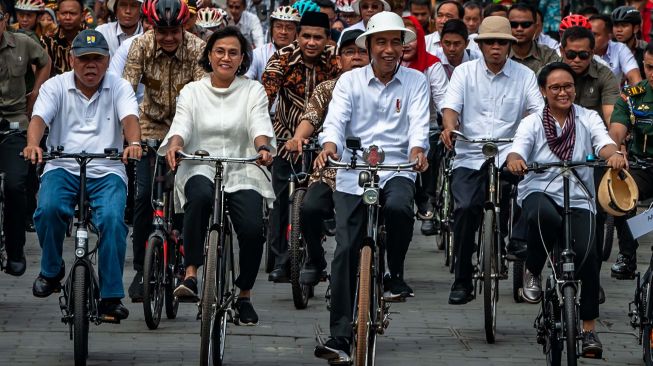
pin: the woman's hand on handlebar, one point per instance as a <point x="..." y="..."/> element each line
<point x="265" y="158"/>
<point x="516" y="165"/>
<point x="171" y="156"/>
<point x="33" y="153"/>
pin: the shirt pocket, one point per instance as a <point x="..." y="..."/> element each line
<point x="18" y="68"/>
<point x="509" y="109"/>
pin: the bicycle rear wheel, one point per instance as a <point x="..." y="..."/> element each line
<point x="490" y="274"/>
<point x="300" y="293"/>
<point x="568" y="299"/>
<point x="518" y="270"/>
<point x="647" y="329"/>
<point x="362" y="321"/>
<point x="153" y="278"/>
<point x="208" y="302"/>
<point x="80" y="314"/>
<point x="225" y="282"/>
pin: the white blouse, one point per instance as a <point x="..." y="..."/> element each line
<point x="224" y="122"/>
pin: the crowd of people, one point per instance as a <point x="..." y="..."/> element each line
<point x="250" y="77"/>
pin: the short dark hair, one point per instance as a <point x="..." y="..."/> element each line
<point x="230" y="31"/>
<point x="607" y="20"/>
<point x="426" y="3"/>
<point x="588" y="11"/>
<point x="461" y="10"/>
<point x="455" y="26"/>
<point x="473" y="5"/>
<point x="493" y="8"/>
<point x="649" y="49"/>
<point x="549" y="68"/>
<point x="524" y="7"/>
<point x="576" y="33"/>
<point x="80" y="2"/>
<point x="325" y="4"/>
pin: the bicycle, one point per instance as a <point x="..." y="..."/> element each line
<point x="81" y="291"/>
<point x="558" y="323"/>
<point x="216" y="305"/>
<point x="371" y="310"/>
<point x="163" y="266"/>
<point x="444" y="205"/>
<point x="491" y="265"/>
<point x="297" y="188"/>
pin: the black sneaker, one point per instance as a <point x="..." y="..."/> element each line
<point x="113" y="307"/>
<point x="245" y="312"/>
<point x="592" y="346"/>
<point x="461" y="293"/>
<point x="136" y="288"/>
<point x="396" y="289"/>
<point x="624" y="268"/>
<point x="334" y="349"/>
<point x="45" y="286"/>
<point x="187" y="290"/>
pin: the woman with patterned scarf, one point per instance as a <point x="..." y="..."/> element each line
<point x="562" y="131"/>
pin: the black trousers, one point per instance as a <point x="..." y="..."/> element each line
<point x="627" y="244"/>
<point x="246" y="214"/>
<point x="397" y="200"/>
<point x="15" y="169"/>
<point x="281" y="170"/>
<point x="545" y="218"/>
<point x="469" y="188"/>
<point x="317" y="207"/>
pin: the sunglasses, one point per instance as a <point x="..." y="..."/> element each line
<point x="524" y="25"/>
<point x="501" y="42"/>
<point x="583" y="55"/>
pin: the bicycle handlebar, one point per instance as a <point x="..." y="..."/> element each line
<point x="459" y="135"/>
<point x="385" y="167"/>
<point x="216" y="159"/>
<point x="541" y="167"/>
<point x="83" y="155"/>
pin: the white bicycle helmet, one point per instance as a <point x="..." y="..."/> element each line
<point x="30" y="5"/>
<point x="345" y="6"/>
<point x="287" y="13"/>
<point x="211" y="18"/>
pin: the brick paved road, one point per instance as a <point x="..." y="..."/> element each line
<point x="426" y="331"/>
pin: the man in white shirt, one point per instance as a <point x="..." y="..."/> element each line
<point x="454" y="49"/>
<point x="128" y="13"/>
<point x="619" y="58"/>
<point x="283" y="22"/>
<point x="367" y="9"/>
<point x="486" y="98"/>
<point x="247" y="22"/>
<point x="85" y="110"/>
<point x="473" y="16"/>
<point x="386" y="105"/>
<point x="446" y="10"/>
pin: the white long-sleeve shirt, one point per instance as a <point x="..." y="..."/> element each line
<point x="250" y="27"/>
<point x="260" y="57"/>
<point x="620" y="59"/>
<point x="468" y="55"/>
<point x="114" y="35"/>
<point x="394" y="117"/>
<point x="490" y="105"/>
<point x="531" y="144"/>
<point x="118" y="61"/>
<point x="438" y="82"/>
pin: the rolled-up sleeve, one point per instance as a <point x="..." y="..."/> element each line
<point x="339" y="114"/>
<point x="418" y="115"/>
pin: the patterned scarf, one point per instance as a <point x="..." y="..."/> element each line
<point x="562" y="146"/>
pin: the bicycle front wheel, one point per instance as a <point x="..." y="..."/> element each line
<point x="568" y="299"/>
<point x="362" y="322"/>
<point x="174" y="274"/>
<point x="490" y="274"/>
<point x="208" y="302"/>
<point x="80" y="314"/>
<point x="225" y="281"/>
<point x="153" y="277"/>
<point x="300" y="293"/>
<point x="551" y="318"/>
<point x="518" y="270"/>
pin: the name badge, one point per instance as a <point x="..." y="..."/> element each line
<point x="641" y="224"/>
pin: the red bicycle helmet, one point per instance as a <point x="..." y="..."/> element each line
<point x="574" y="20"/>
<point x="167" y="13"/>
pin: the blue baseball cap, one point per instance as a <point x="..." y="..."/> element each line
<point x="90" y="42"/>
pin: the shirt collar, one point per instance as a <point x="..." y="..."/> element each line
<point x="593" y="69"/>
<point x="8" y="40"/>
<point x="70" y="81"/>
<point x="435" y="37"/>
<point x="121" y="33"/>
<point x="369" y="74"/>
<point x="534" y="52"/>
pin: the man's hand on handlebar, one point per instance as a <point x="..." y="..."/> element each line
<point x="516" y="165"/>
<point x="171" y="156"/>
<point x="446" y="137"/>
<point x="617" y="161"/>
<point x="422" y="162"/>
<point x="33" y="153"/>
<point x="132" y="152"/>
<point x="322" y="159"/>
<point x="265" y="158"/>
<point x="296" y="144"/>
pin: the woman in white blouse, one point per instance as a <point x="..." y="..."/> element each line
<point x="227" y="115"/>
<point x="562" y="131"/>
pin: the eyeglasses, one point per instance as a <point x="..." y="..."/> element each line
<point x="571" y="55"/>
<point x="568" y="88"/>
<point x="501" y="42"/>
<point x="221" y="53"/>
<point x="284" y="27"/>
<point x="524" y="25"/>
<point x="351" y="52"/>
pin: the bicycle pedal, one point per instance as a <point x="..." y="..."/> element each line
<point x="109" y="319"/>
<point x="593" y="354"/>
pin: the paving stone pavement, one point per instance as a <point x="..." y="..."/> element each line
<point x="424" y="331"/>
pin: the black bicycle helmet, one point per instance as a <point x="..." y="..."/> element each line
<point x="626" y="14"/>
<point x="167" y="13"/>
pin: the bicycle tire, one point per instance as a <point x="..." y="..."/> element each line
<point x="269" y="257"/>
<point x="80" y="314"/>
<point x="171" y="301"/>
<point x="647" y="328"/>
<point x="362" y="322"/>
<point x="518" y="280"/>
<point x="153" y="278"/>
<point x="300" y="293"/>
<point x="608" y="237"/>
<point x="551" y="316"/>
<point x="219" y="321"/>
<point x="569" y="293"/>
<point x="490" y="275"/>
<point x="208" y="302"/>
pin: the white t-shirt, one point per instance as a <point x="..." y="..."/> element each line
<point x="118" y="61"/>
<point x="260" y="57"/>
<point x="620" y="59"/>
<point x="250" y="27"/>
<point x="86" y="124"/>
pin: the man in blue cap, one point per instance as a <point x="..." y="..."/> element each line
<point x="85" y="109"/>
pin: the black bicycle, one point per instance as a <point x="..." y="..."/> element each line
<point x="163" y="266"/>
<point x="371" y="308"/>
<point x="81" y="291"/>
<point x="444" y="206"/>
<point x="558" y="323"/>
<point x="216" y="305"/>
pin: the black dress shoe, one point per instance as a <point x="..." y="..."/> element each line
<point x="428" y="228"/>
<point x="461" y="294"/>
<point x="516" y="250"/>
<point x="279" y="274"/>
<point x="45" y="286"/>
<point x="113" y="308"/>
<point x="311" y="275"/>
<point x="16" y="267"/>
<point x="624" y="268"/>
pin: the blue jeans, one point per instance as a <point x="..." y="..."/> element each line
<point x="56" y="205"/>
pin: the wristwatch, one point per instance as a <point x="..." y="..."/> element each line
<point x="264" y="147"/>
<point x="135" y="143"/>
